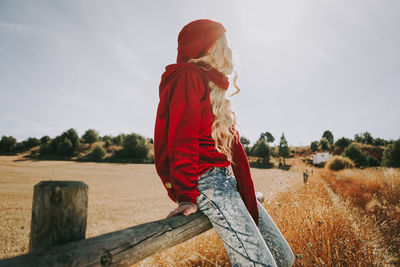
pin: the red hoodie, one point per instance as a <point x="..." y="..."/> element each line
<point x="183" y="146"/>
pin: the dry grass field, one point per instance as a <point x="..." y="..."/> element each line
<point x="322" y="221"/>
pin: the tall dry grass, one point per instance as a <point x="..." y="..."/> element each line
<point x="376" y="194"/>
<point x="321" y="229"/>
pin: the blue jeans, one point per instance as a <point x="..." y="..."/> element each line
<point x="245" y="243"/>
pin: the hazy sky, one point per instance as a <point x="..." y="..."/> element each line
<point x="304" y="66"/>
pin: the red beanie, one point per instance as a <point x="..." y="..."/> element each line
<point x="197" y="37"/>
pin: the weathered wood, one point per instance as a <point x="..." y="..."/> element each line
<point x="59" y="213"/>
<point x="120" y="248"/>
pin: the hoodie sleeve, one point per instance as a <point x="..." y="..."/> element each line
<point x="183" y="135"/>
<point x="241" y="170"/>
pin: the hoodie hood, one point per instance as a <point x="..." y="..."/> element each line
<point x="194" y="40"/>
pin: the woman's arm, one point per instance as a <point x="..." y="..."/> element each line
<point x="183" y="135"/>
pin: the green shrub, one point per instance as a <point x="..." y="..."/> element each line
<point x="98" y="153"/>
<point x="135" y="149"/>
<point x="263" y="163"/>
<point x="337" y="163"/>
<point x="283" y="150"/>
<point x="324" y="144"/>
<point x="314" y="146"/>
<point x="45" y="139"/>
<point x="64" y="145"/>
<point x="343" y="143"/>
<point x="65" y="148"/>
<point x="328" y="135"/>
<point x="262" y="150"/>
<point x="8" y="144"/>
<point x="45" y="150"/>
<point x="379" y="142"/>
<point x="72" y="135"/>
<point x="107" y="143"/>
<point x="27" y="144"/>
<point x="119" y="139"/>
<point x="391" y="155"/>
<point x="372" y="161"/>
<point x="356" y="155"/>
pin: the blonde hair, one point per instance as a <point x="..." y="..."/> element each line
<point x="223" y="132"/>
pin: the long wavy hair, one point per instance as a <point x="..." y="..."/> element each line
<point x="223" y="128"/>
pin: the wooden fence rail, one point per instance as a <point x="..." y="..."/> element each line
<point x="119" y="248"/>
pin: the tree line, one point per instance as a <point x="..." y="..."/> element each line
<point x="133" y="147"/>
<point x="136" y="148"/>
<point x="343" y="146"/>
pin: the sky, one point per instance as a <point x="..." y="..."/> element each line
<point x="304" y="66"/>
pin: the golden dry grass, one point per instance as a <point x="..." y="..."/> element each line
<point x="375" y="192"/>
<point x="324" y="230"/>
<point x="322" y="226"/>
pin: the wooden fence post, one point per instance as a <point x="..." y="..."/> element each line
<point x="59" y="213"/>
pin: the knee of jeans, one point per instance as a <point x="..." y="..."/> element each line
<point x="291" y="258"/>
<point x="288" y="259"/>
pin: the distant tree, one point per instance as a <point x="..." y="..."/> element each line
<point x="119" y="139"/>
<point x="356" y="155"/>
<point x="73" y="136"/>
<point x="269" y="138"/>
<point x="364" y="138"/>
<point x="367" y="138"/>
<point x="379" y="142"/>
<point x="90" y="136"/>
<point x="244" y="141"/>
<point x="391" y="155"/>
<point x="151" y="141"/>
<point x="262" y="149"/>
<point x="246" y="145"/>
<point x="343" y="142"/>
<point x="328" y="135"/>
<point x="314" y="146"/>
<point x="324" y="144"/>
<point x="27" y="144"/>
<point x="32" y="142"/>
<point x="46" y="149"/>
<point x="358" y="138"/>
<point x="105" y="138"/>
<point x="283" y="147"/>
<point x="64" y="145"/>
<point x="107" y="143"/>
<point x="45" y="139"/>
<point x="134" y="148"/>
<point x="65" y="148"/>
<point x="97" y="154"/>
<point x="8" y="144"/>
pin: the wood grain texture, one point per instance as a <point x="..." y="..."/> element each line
<point x="120" y="248"/>
<point x="59" y="213"/>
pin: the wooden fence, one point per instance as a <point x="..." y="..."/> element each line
<point x="58" y="228"/>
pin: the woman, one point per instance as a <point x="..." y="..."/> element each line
<point x="195" y="141"/>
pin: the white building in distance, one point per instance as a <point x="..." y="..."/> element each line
<point x="321" y="157"/>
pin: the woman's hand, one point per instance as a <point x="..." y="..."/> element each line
<point x="186" y="208"/>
